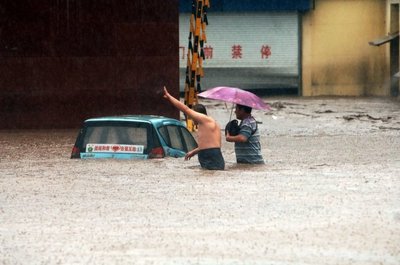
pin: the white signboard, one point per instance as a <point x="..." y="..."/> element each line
<point x="114" y="148"/>
<point x="250" y="40"/>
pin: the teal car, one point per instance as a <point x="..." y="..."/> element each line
<point x="132" y="137"/>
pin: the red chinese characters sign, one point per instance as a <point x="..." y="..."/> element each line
<point x="265" y="51"/>
<point x="208" y="52"/>
<point x="237" y="52"/>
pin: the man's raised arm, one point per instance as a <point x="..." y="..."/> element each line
<point x="194" y="115"/>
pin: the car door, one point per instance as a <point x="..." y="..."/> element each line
<point x="178" y="140"/>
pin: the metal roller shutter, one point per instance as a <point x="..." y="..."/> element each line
<point x="247" y="50"/>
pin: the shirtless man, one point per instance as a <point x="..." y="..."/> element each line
<point x="208" y="135"/>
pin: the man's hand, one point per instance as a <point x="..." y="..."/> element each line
<point x="228" y="137"/>
<point x="190" y="154"/>
<point x="166" y="94"/>
<point x="240" y="138"/>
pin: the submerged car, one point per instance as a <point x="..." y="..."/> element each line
<point x="132" y="137"/>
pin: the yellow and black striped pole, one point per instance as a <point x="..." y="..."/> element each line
<point x="195" y="55"/>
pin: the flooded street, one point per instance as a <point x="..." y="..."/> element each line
<point x="328" y="194"/>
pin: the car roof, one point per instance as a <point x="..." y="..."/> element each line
<point x="154" y="119"/>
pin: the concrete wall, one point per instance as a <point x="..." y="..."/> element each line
<point x="67" y="60"/>
<point x="336" y="56"/>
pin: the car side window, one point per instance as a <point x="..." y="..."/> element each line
<point x="189" y="140"/>
<point x="171" y="135"/>
<point x="174" y="137"/>
<point x="178" y="137"/>
<point x="164" y="134"/>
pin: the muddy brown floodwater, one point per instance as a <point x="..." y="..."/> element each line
<point x="328" y="194"/>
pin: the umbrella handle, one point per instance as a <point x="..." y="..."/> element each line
<point x="230" y="116"/>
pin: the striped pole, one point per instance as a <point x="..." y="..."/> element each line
<point x="195" y="55"/>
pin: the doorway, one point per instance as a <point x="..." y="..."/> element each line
<point x="394" y="50"/>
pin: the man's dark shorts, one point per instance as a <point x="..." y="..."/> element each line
<point x="211" y="159"/>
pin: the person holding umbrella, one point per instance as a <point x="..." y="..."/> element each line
<point x="247" y="141"/>
<point x="208" y="135"/>
<point x="247" y="136"/>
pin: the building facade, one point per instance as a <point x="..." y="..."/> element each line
<point x="252" y="45"/>
<point x="337" y="58"/>
<point x="67" y="60"/>
<point x="315" y="48"/>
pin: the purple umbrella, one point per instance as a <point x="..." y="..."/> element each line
<point x="235" y="95"/>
